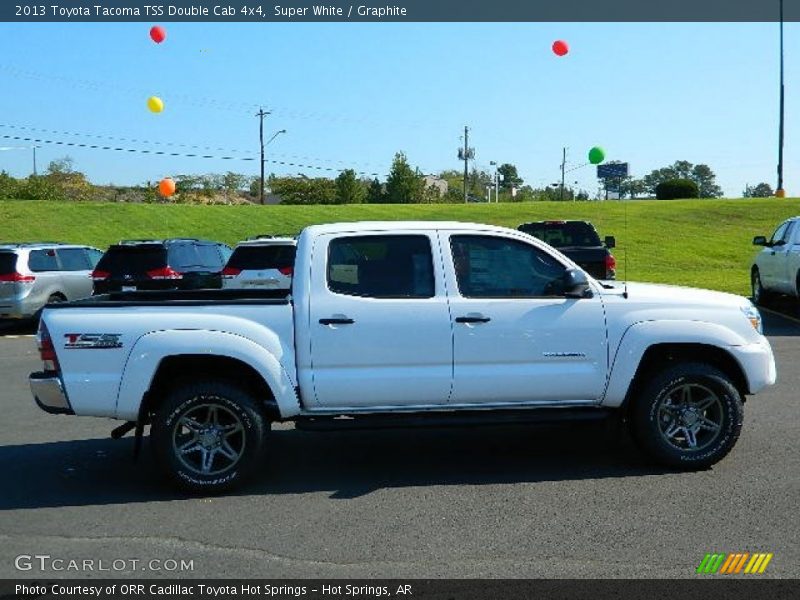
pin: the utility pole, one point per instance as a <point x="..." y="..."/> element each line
<point x="261" y="114"/>
<point x="780" y="192"/>
<point x="563" y="171"/>
<point x="466" y="153"/>
<point x="34" y="161"/>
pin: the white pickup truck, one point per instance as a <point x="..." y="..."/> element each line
<point x="406" y="324"/>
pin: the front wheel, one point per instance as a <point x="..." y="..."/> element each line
<point x="208" y="436"/>
<point x="689" y="416"/>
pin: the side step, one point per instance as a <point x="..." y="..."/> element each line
<point x="473" y="418"/>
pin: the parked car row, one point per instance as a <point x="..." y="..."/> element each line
<point x="35" y="274"/>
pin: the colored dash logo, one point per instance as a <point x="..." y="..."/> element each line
<point x="731" y="564"/>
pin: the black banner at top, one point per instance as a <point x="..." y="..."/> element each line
<point x="399" y="10"/>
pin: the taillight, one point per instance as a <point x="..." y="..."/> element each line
<point x="286" y="271"/>
<point x="164" y="273"/>
<point x="230" y="272"/>
<point x="47" y="351"/>
<point x="100" y="275"/>
<point x="17" y="277"/>
<point x="611" y="266"/>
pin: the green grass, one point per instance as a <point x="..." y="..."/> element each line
<point x="702" y="243"/>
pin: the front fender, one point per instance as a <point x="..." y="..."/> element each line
<point x="150" y="349"/>
<point x="641" y="336"/>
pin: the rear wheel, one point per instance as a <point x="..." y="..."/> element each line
<point x="759" y="294"/>
<point x="689" y="416"/>
<point x="209" y="436"/>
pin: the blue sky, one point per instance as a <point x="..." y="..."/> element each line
<point x="352" y="94"/>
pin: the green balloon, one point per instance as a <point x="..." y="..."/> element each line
<point x="597" y="155"/>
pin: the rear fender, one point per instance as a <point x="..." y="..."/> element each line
<point x="151" y="349"/>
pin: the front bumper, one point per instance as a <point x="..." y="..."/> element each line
<point x="48" y="391"/>
<point x="758" y="364"/>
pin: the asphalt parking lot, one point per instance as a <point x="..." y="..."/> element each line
<point x="487" y="502"/>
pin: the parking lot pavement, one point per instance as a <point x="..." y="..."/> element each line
<point x="485" y="502"/>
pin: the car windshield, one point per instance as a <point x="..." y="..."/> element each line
<point x="262" y="257"/>
<point x="562" y="235"/>
<point x="133" y="259"/>
<point x="8" y="263"/>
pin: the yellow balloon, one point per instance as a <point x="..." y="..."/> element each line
<point x="155" y="104"/>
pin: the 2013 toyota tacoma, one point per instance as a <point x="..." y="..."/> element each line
<point x="405" y="324"/>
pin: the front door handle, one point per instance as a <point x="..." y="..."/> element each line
<point x="475" y="319"/>
<point x="336" y="321"/>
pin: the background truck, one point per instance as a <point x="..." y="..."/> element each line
<point x="405" y="324"/>
<point x="579" y="241"/>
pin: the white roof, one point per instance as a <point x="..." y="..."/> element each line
<point x="269" y="242"/>
<point x="389" y="226"/>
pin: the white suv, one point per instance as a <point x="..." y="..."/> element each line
<point x="35" y="274"/>
<point x="776" y="269"/>
<point x="261" y="263"/>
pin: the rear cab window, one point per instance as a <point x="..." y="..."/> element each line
<point x="562" y="235"/>
<point x="381" y="266"/>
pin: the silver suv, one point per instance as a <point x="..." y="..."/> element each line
<point x="35" y="274"/>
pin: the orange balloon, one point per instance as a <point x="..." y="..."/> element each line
<point x="166" y="187"/>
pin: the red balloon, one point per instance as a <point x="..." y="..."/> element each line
<point x="560" y="48"/>
<point x="158" y="34"/>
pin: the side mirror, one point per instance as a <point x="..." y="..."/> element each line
<point x="759" y="240"/>
<point x="611" y="241"/>
<point x="576" y="284"/>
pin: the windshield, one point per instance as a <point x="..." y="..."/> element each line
<point x="562" y="235"/>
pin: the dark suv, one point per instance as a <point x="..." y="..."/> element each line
<point x="579" y="241"/>
<point x="181" y="263"/>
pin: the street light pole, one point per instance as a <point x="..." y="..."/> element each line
<point x="780" y="192"/>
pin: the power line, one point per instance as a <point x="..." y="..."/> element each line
<point x="179" y="154"/>
<point x="180" y="145"/>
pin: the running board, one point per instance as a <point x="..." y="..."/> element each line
<point x="450" y="419"/>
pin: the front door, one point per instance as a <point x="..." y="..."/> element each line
<point x="380" y="329"/>
<point x="517" y="338"/>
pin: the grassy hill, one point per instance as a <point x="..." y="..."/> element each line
<point x="703" y="243"/>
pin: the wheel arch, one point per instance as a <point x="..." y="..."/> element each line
<point x="663" y="355"/>
<point x="159" y="358"/>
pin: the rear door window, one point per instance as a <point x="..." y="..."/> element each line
<point x="259" y="258"/>
<point x="43" y="260"/>
<point x="134" y="259"/>
<point x="381" y="266"/>
<point x="74" y="259"/>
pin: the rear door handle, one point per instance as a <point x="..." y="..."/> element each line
<point x="472" y="319"/>
<point x="336" y="321"/>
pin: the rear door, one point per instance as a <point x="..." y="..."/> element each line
<point x="76" y="272"/>
<point x="44" y="264"/>
<point x="517" y="338"/>
<point x="11" y="282"/>
<point x="380" y="327"/>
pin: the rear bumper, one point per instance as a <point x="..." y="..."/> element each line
<point x="49" y="394"/>
<point x="19" y="309"/>
<point x="758" y="364"/>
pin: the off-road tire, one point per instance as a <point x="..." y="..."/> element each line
<point x="648" y="418"/>
<point x="186" y="403"/>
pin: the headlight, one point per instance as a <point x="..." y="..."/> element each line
<point x="752" y="314"/>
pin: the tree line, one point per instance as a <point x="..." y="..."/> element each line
<point x="403" y="185"/>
